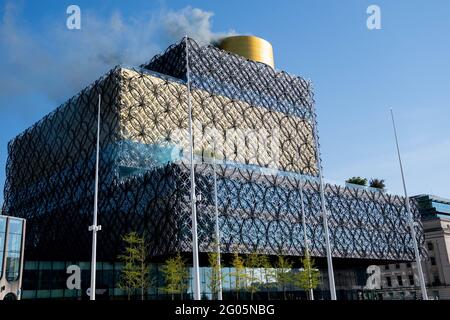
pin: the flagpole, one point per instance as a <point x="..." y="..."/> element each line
<point x="324" y="217"/>
<point x="411" y="218"/>
<point x="196" y="269"/>
<point x="217" y="231"/>
<point x="305" y="236"/>
<point x="94" y="228"/>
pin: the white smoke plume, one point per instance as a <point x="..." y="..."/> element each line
<point x="59" y="62"/>
<point x="194" y="22"/>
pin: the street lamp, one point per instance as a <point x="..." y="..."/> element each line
<point x="94" y="227"/>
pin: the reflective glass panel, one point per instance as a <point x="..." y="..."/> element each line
<point x="14" y="249"/>
<point x="2" y="243"/>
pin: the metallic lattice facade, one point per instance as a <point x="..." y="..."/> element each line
<point x="251" y="124"/>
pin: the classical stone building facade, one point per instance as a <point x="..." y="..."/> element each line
<point x="399" y="281"/>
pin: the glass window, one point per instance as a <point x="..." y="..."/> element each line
<point x="411" y="279"/>
<point x="408" y="264"/>
<point x="14" y="249"/>
<point x="400" y="280"/>
<point x="397" y="266"/>
<point x="386" y="267"/>
<point x="2" y="242"/>
<point x="433" y="261"/>
<point x="436" y="295"/>
<point x="436" y="279"/>
<point x="441" y="207"/>
<point x="430" y="245"/>
<point x="389" y="282"/>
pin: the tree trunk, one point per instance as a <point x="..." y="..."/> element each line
<point x="143" y="271"/>
<point x="268" y="289"/>
<point x="310" y="294"/>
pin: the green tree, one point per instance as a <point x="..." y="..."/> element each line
<point x="357" y="180"/>
<point x="239" y="274"/>
<point x="283" y="273"/>
<point x="269" y="274"/>
<point x="308" y="279"/>
<point x="215" y="273"/>
<point x="176" y="276"/>
<point x="377" y="183"/>
<point x="254" y="262"/>
<point x="135" y="271"/>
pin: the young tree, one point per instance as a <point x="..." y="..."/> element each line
<point x="253" y="262"/>
<point x="135" y="271"/>
<point x="239" y="273"/>
<point x="357" y="180"/>
<point x="269" y="274"/>
<point x="176" y="276"/>
<point x="283" y="273"/>
<point x="215" y="273"/>
<point x="308" y="279"/>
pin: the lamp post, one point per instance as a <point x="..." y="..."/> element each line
<point x="305" y="236"/>
<point x="94" y="227"/>
<point x="217" y="231"/>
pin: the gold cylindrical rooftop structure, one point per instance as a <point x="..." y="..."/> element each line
<point x="250" y="47"/>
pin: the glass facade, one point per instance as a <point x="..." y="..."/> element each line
<point x="441" y="207"/>
<point x="14" y="249"/>
<point x="431" y="207"/>
<point x="48" y="280"/>
<point x="2" y="243"/>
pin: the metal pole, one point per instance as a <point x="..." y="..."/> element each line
<point x="305" y="236"/>
<point x="196" y="287"/>
<point x="94" y="228"/>
<point x="325" y="218"/>
<point x="411" y="218"/>
<point x="216" y="209"/>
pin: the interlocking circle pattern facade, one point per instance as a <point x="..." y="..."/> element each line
<point x="253" y="125"/>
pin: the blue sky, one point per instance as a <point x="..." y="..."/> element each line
<point x="358" y="74"/>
